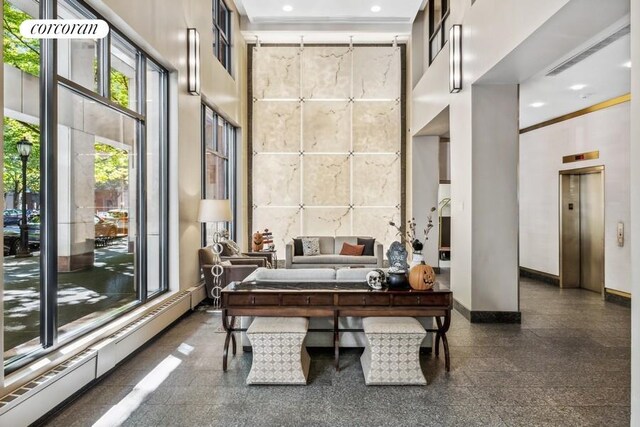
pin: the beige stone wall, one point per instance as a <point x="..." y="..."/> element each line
<point x="326" y="138"/>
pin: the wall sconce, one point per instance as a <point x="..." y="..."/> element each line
<point x="193" y="61"/>
<point x="455" y="58"/>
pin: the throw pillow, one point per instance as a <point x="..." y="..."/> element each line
<point x="353" y="250"/>
<point x="369" y="245"/>
<point x="310" y="247"/>
<point x="297" y="247"/>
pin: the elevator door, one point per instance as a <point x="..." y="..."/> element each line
<point x="582" y="219"/>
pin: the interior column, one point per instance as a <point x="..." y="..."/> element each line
<point x="425" y="171"/>
<point x="484" y="182"/>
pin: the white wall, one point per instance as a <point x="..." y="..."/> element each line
<point x="425" y="177"/>
<point x="635" y="212"/>
<point x="541" y="154"/>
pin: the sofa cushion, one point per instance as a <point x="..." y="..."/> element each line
<point x="310" y="246"/>
<point x="297" y="247"/>
<point x="348" y="249"/>
<point x="335" y="259"/>
<point x="369" y="245"/>
<point x="326" y="244"/>
<point x="341" y="240"/>
<point x="281" y="275"/>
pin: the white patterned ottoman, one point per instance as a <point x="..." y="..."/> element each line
<point x="392" y="354"/>
<point x="279" y="356"/>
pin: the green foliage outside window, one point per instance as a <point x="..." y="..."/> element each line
<point x="111" y="164"/>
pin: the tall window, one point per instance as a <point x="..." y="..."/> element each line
<point x="109" y="236"/>
<point x="222" y="33"/>
<point x="218" y="170"/>
<point x="439" y="25"/>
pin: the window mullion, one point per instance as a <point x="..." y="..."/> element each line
<point x="48" y="182"/>
<point x="104" y="65"/>
<point x="141" y="197"/>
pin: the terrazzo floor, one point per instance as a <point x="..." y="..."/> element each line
<point x="567" y="364"/>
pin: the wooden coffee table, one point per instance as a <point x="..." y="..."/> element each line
<point x="333" y="300"/>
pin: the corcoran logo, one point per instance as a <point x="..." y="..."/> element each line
<point x="64" y="29"/>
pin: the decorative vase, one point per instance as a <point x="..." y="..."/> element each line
<point x="397" y="256"/>
<point x="422" y="277"/>
<point x="418" y="259"/>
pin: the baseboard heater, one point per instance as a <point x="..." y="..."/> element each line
<point x="30" y="402"/>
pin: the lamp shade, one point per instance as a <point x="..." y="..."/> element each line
<point x="214" y="210"/>
<point x="24" y="147"/>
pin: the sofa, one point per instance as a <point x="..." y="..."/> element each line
<point x="330" y="257"/>
<point x="351" y="337"/>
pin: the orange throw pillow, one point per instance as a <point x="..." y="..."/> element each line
<point x="354" y="250"/>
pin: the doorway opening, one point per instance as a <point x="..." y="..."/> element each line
<point x="582" y="228"/>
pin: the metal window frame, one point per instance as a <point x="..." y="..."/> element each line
<point x="222" y="51"/>
<point x="49" y="83"/>
<point x="437" y="28"/>
<point x="230" y="134"/>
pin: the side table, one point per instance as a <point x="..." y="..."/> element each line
<point x="271" y="256"/>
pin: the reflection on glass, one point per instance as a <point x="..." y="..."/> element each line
<point x="155" y="194"/>
<point x="77" y="58"/>
<point x="217" y="136"/>
<point x="123" y="73"/>
<point x="96" y="206"/>
<point x="21" y="294"/>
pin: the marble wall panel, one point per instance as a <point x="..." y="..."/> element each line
<point x="284" y="223"/>
<point x="376" y="73"/>
<point x="276" y="126"/>
<point x="377" y="180"/>
<point x="374" y="222"/>
<point x="326" y="180"/>
<point x="326" y="126"/>
<point x="326" y="221"/>
<point x="276" y="72"/>
<point x="376" y="126"/>
<point x="326" y="72"/>
<point x="276" y="179"/>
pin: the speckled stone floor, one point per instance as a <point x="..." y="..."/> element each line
<point x="568" y="363"/>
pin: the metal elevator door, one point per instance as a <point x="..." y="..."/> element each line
<point x="582" y="230"/>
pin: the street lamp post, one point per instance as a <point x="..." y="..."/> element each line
<point x="24" y="149"/>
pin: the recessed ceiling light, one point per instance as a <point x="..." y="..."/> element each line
<point x="537" y="104"/>
<point x="287" y="8"/>
<point x="578" y="87"/>
<point x="627" y="64"/>
<point x="375" y="8"/>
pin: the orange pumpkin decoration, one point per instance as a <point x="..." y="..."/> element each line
<point x="422" y="277"/>
<point x="257" y="242"/>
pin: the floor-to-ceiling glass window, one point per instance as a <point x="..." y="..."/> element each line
<point x="110" y="196"/>
<point x="218" y="171"/>
<point x="21" y="123"/>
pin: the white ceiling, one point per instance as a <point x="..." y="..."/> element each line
<point x="327" y="21"/>
<point x="325" y="11"/>
<point x="604" y="75"/>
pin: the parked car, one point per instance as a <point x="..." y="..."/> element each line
<point x="11" y="216"/>
<point x="104" y="227"/>
<point x="11" y="236"/>
<point x="11" y="233"/>
<point x="121" y="218"/>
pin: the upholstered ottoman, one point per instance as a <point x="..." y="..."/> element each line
<point x="279" y="356"/>
<point x="392" y="353"/>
